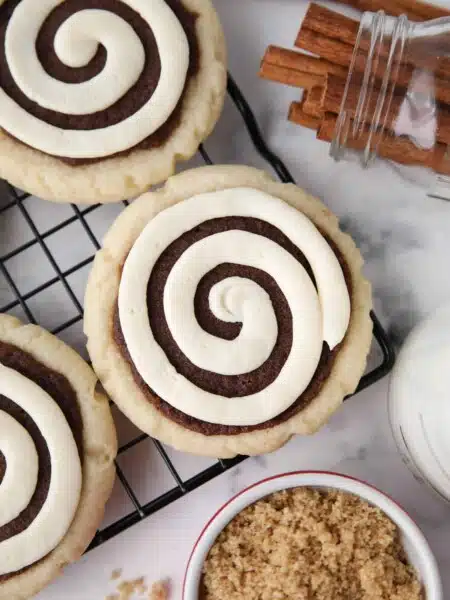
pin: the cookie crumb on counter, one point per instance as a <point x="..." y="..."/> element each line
<point x="160" y="591"/>
<point x="137" y="589"/>
<point x="311" y="544"/>
<point x="116" y="574"/>
<point x="128" y="589"/>
<point x="139" y="585"/>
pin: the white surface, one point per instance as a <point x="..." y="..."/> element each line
<point x="418" y="401"/>
<point x="416" y="546"/>
<point x="405" y="239"/>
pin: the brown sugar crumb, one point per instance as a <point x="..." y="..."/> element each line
<point x="160" y="591"/>
<point x="126" y="590"/>
<point x="139" y="586"/>
<point x="308" y="544"/>
<point x="129" y="589"/>
<point x="136" y="589"/>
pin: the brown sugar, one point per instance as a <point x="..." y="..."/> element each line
<point x="116" y="574"/>
<point x="306" y="544"/>
<point x="160" y="591"/>
<point x="136" y="588"/>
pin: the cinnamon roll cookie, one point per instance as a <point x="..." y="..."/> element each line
<point x="57" y="447"/>
<point x="100" y="98"/>
<point x="227" y="312"/>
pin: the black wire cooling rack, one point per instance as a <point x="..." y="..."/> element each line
<point x="19" y="299"/>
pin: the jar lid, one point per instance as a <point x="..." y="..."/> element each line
<point x="419" y="400"/>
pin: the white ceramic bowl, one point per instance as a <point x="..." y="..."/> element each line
<point x="415" y="544"/>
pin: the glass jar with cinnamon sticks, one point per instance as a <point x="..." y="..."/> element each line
<point x="396" y="101"/>
<point x="375" y="88"/>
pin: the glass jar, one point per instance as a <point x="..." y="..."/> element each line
<point x="396" y="103"/>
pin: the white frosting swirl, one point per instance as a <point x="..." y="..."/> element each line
<point x="19" y="483"/>
<point x="317" y="316"/>
<point x="76" y="43"/>
<point x="21" y="476"/>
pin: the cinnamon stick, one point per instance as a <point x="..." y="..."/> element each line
<point x="314" y="100"/>
<point x="329" y="23"/>
<point x="413" y="9"/>
<point x="334" y="93"/>
<point x="300" y="117"/>
<point x="335" y="26"/>
<point x="290" y="59"/>
<point x="291" y="77"/>
<point x="341" y="53"/>
<point x="328" y="48"/>
<point x="400" y="150"/>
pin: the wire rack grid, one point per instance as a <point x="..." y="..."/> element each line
<point x="24" y="290"/>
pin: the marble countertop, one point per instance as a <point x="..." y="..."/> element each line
<point x="405" y="239"/>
